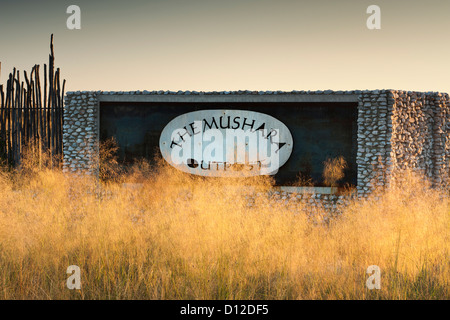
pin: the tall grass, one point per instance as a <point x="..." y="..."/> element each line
<point x="176" y="236"/>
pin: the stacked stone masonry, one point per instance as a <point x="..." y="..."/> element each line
<point x="396" y="130"/>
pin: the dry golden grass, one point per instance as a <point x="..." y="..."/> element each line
<point x="334" y="170"/>
<point x="177" y="236"/>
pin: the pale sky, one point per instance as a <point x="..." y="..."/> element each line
<point x="207" y="45"/>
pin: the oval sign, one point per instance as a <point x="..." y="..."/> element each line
<point x="226" y="143"/>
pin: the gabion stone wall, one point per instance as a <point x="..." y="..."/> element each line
<point x="421" y="134"/>
<point x="80" y="132"/>
<point x="400" y="130"/>
<point x="396" y="129"/>
<point x="374" y="140"/>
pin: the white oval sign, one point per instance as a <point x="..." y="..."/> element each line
<point x="226" y="143"/>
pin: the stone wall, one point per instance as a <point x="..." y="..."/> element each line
<point x="421" y="134"/>
<point x="396" y="129"/>
<point x="374" y="139"/>
<point x="80" y="132"/>
<point x="314" y="203"/>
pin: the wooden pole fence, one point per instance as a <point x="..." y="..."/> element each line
<point x="28" y="120"/>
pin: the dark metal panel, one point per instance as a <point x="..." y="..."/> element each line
<point x="320" y="131"/>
